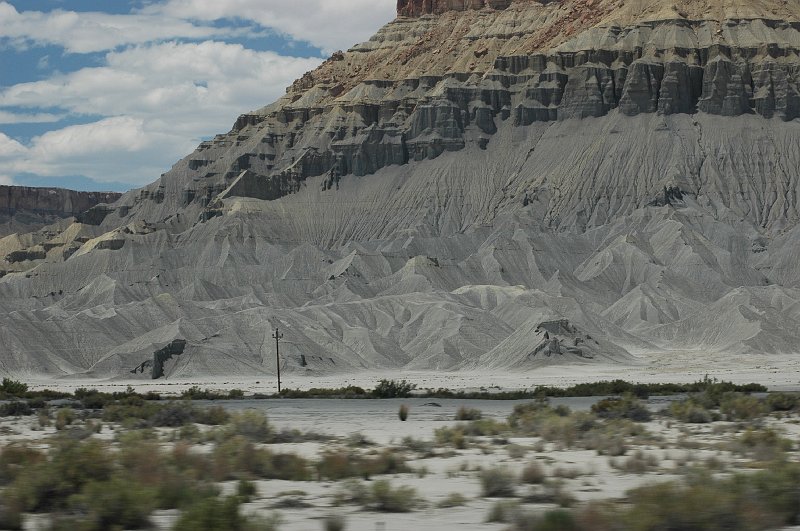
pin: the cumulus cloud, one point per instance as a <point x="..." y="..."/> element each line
<point x="325" y="23"/>
<point x="159" y="100"/>
<point x="28" y="118"/>
<point x="167" y="80"/>
<point x="95" y="32"/>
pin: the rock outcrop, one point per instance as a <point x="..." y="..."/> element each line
<point x="481" y="184"/>
<point x="24" y="208"/>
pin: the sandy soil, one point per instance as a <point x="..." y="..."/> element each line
<point x="779" y="373"/>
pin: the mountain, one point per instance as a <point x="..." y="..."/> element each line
<point x="25" y="209"/>
<point x="483" y="184"/>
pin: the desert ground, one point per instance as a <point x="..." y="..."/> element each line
<point x="304" y="464"/>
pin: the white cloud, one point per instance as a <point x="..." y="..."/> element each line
<point x="10" y="148"/>
<point x="6" y="180"/>
<point x="156" y="95"/>
<point x="328" y="24"/>
<point x="94" y="32"/>
<point x="28" y="118"/>
<point x="159" y="100"/>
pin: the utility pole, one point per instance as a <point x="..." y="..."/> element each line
<point x="278" y="336"/>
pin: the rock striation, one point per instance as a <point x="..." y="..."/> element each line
<point x="481" y="184"/>
<point x="35" y="207"/>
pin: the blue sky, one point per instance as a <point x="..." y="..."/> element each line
<point x="99" y="95"/>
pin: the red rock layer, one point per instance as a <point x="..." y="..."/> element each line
<point x="417" y="8"/>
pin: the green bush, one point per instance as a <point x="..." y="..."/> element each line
<point x="783" y="401"/>
<point x="760" y="500"/>
<point x="15" y="408"/>
<point x="393" y="389"/>
<point x="533" y="474"/>
<point x="251" y="424"/>
<point x="497" y="483"/>
<point x="384" y="498"/>
<point x="465" y="413"/>
<point x="503" y="512"/>
<point x="736" y="406"/>
<point x="333" y="522"/>
<point x="690" y="411"/>
<point x="454" y="499"/>
<point x="64" y="418"/>
<point x="627" y="407"/>
<point x="11" y="387"/>
<point x="339" y="464"/>
<point x="558" y="520"/>
<point x="217" y="514"/>
<point x="15" y="458"/>
<point x="70" y="466"/>
<point x="762" y="444"/>
<point x="117" y="503"/>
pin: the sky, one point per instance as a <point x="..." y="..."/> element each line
<point x="109" y="94"/>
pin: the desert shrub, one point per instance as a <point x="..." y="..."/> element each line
<point x="402" y="413"/>
<point x="454" y="499"/>
<point x="251" y="424"/>
<point x="117" y="503"/>
<point x="783" y="401"/>
<point x="352" y="492"/>
<point x="10" y="387"/>
<point x="557" y="520"/>
<point x="246" y="489"/>
<point x="626" y="407"/>
<point x="10" y="514"/>
<point x="333" y="522"/>
<point x="212" y="416"/>
<point x="736" y="406"/>
<point x="483" y="427"/>
<point x="497" y="483"/>
<point x="289" y="467"/>
<point x="762" y="444"/>
<point x="516" y="451"/>
<point x="533" y="474"/>
<point x="703" y="506"/>
<point x="64" y="417"/>
<point x="690" y="411"/>
<point x="14" y="458"/>
<point x="638" y="463"/>
<point x="92" y="398"/>
<point x="393" y="389"/>
<point x="384" y="498"/>
<point x="503" y="512"/>
<point x="70" y="466"/>
<point x="465" y="413"/>
<point x="238" y="458"/>
<point x="235" y="394"/>
<point x="420" y="446"/>
<point x="447" y="436"/>
<point x="221" y="514"/>
<point x="15" y="408"/>
<point x="336" y="465"/>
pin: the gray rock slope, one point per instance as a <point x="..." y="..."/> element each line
<point x="508" y="187"/>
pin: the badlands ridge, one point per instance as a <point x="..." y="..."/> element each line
<point x="482" y="184"/>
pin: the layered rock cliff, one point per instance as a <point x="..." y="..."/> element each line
<point x="481" y="184"/>
<point x="25" y="209"/>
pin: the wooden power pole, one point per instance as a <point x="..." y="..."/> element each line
<point x="278" y="336"/>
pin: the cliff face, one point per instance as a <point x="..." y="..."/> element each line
<point x="438" y="196"/>
<point x="417" y="8"/>
<point x="51" y="201"/>
<point x="428" y="85"/>
<point x="24" y="209"/>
